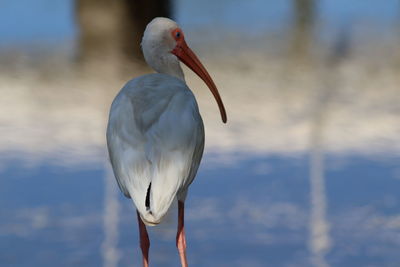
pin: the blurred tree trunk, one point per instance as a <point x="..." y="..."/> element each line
<point x="112" y="29"/>
<point x="303" y="25"/>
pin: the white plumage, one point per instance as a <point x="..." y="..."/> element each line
<point x="155" y="135"/>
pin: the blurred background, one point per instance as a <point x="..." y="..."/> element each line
<point x="305" y="173"/>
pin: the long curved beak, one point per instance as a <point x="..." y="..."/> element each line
<point x="189" y="58"/>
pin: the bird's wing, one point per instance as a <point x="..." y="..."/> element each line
<point x="155" y="139"/>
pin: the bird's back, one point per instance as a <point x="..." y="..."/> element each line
<point x="155" y="138"/>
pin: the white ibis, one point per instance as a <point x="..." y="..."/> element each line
<point x="155" y="133"/>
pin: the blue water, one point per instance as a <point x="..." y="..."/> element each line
<point x="235" y="214"/>
<point x="25" y="21"/>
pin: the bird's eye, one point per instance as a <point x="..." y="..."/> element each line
<point x="177" y="34"/>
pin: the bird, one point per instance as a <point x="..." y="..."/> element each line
<point x="155" y="133"/>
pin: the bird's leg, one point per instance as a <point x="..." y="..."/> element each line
<point x="144" y="241"/>
<point x="180" y="235"/>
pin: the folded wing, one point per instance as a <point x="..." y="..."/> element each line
<point x="155" y="139"/>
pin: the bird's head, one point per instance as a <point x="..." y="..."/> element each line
<point x="164" y="45"/>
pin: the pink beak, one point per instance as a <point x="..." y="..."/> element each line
<point x="189" y="58"/>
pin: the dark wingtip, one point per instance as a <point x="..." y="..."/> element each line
<point x="147" y="201"/>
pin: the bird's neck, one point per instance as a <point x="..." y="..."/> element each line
<point x="165" y="64"/>
<point x="173" y="69"/>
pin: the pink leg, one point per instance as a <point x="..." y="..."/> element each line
<point x="180" y="235"/>
<point x="144" y="241"/>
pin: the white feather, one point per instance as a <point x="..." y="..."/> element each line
<point x="157" y="44"/>
<point x="155" y="135"/>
